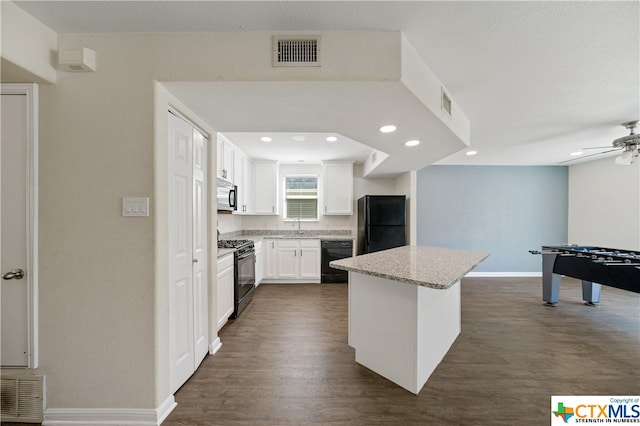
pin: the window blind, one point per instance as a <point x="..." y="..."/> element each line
<point x="301" y="197"/>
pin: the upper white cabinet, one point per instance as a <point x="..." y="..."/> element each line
<point x="226" y="153"/>
<point x="337" y="184"/>
<point x="265" y="188"/>
<point x="242" y="179"/>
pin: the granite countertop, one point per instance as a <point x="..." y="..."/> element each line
<point x="433" y="267"/>
<point x="223" y="251"/>
<point x="259" y="235"/>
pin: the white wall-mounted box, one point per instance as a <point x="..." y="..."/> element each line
<point x="80" y="59"/>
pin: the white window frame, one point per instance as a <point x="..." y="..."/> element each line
<point x="285" y="209"/>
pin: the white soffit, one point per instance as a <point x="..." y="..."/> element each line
<point x="355" y="109"/>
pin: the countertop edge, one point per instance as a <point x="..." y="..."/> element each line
<point x="393" y="277"/>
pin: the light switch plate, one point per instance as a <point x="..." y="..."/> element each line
<point x="135" y="206"/>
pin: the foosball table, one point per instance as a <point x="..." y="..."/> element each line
<point x="595" y="266"/>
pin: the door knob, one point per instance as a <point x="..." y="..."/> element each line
<point x="195" y="260"/>
<point x="17" y="274"/>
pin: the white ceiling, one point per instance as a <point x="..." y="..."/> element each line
<point x="537" y="80"/>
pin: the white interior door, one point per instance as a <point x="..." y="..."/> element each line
<point x="180" y="241"/>
<point x="200" y="247"/>
<point x="18" y="226"/>
<point x="188" y="310"/>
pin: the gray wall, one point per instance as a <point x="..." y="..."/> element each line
<point x="503" y="210"/>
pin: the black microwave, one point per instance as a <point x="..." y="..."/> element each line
<point x="227" y="195"/>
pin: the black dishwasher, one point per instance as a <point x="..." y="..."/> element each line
<point x="334" y="250"/>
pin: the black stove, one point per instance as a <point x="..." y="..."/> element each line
<point x="244" y="275"/>
<point x="241" y="246"/>
<point x="233" y="243"/>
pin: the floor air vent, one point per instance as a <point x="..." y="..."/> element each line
<point x="21" y="399"/>
<point x="296" y="51"/>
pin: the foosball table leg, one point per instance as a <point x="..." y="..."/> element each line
<point x="591" y="293"/>
<point x="550" y="281"/>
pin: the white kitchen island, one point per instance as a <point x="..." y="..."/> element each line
<point x="404" y="309"/>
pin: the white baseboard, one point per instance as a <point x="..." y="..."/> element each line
<point x="165" y="409"/>
<point x="504" y="274"/>
<point x="109" y="416"/>
<point x="215" y="346"/>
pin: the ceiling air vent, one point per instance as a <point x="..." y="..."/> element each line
<point x="296" y="51"/>
<point x="445" y="102"/>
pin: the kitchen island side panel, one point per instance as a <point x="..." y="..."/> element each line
<point x="401" y="331"/>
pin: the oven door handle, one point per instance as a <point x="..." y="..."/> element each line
<point x="247" y="254"/>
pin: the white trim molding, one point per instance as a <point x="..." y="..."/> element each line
<point x="30" y="90"/>
<point x="109" y="416"/>
<point x="215" y="346"/>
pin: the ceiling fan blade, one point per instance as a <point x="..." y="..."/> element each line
<point x="590" y="155"/>
<point x="598" y="147"/>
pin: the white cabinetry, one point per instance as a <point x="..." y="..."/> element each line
<point x="242" y="179"/>
<point x="270" y="259"/>
<point x="337" y="184"/>
<point x="259" y="261"/>
<point x="292" y="259"/>
<point x="224" y="289"/>
<point x="265" y="188"/>
<point x="309" y="259"/>
<point x="226" y="153"/>
<point x="288" y="262"/>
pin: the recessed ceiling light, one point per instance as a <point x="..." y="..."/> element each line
<point x="413" y="142"/>
<point x="299" y="138"/>
<point x="472" y="152"/>
<point x="389" y="128"/>
<point x="266" y="139"/>
<point x="331" y="139"/>
<point x="576" y="153"/>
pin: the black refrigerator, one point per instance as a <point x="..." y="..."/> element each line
<point x="381" y="222"/>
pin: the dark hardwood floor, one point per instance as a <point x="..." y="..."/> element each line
<point x="286" y="361"/>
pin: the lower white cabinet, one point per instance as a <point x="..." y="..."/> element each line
<point x="259" y="261"/>
<point x="309" y="259"/>
<point x="270" y="259"/>
<point x="225" y="289"/>
<point x="292" y="259"/>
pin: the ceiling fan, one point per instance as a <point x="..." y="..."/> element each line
<point x="629" y="145"/>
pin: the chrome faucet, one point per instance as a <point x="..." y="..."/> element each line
<point x="299" y="231"/>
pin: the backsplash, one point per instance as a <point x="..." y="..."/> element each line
<point x="231" y="223"/>
<point x="267" y="232"/>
